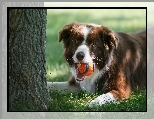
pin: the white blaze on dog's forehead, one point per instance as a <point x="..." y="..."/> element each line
<point x="85" y="31"/>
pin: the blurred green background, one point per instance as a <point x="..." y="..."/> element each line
<point x="125" y="20"/>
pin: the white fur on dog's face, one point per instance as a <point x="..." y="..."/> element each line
<point x="83" y="48"/>
<point x="85" y="31"/>
<point x="87" y="58"/>
<point x="88" y="83"/>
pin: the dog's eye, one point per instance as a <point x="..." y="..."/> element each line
<point x="77" y="41"/>
<point x="91" y="42"/>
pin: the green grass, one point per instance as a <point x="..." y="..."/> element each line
<point x="58" y="70"/>
<point x="78" y="102"/>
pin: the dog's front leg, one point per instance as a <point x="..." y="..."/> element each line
<point x="63" y="87"/>
<point x="123" y="92"/>
<point x="102" y="99"/>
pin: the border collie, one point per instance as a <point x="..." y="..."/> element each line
<point x="119" y="59"/>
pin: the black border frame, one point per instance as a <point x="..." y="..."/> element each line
<point x="8" y="8"/>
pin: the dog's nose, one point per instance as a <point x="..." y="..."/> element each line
<point x="80" y="56"/>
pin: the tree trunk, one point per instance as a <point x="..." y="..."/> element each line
<point x="27" y="73"/>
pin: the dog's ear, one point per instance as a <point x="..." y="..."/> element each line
<point x="65" y="32"/>
<point x="108" y="37"/>
<point x="113" y="40"/>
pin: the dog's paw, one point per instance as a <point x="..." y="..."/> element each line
<point x="102" y="99"/>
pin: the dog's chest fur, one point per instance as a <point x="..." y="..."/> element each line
<point x="89" y="84"/>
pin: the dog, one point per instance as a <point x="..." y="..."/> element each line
<point x="119" y="59"/>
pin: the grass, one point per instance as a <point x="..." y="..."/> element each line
<point x="126" y="20"/>
<point x="78" y="102"/>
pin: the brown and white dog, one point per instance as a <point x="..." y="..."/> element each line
<point x="119" y="58"/>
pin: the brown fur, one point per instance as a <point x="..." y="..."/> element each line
<point x="127" y="71"/>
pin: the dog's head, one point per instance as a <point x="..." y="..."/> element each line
<point x="87" y="43"/>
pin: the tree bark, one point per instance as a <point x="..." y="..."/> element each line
<point x="27" y="73"/>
